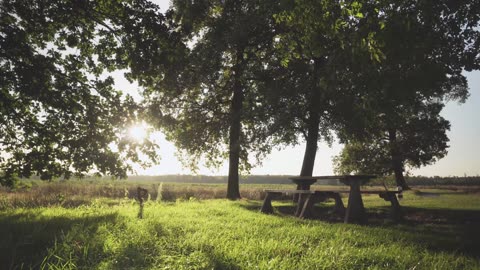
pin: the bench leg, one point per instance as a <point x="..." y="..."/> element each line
<point x="395" y="209"/>
<point x="300" y="203"/>
<point x="307" y="208"/>
<point x="296" y="197"/>
<point x="267" y="204"/>
<point x="339" y="206"/>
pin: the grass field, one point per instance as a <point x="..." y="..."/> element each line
<point x="440" y="231"/>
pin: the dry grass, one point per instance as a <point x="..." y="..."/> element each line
<point x="68" y="194"/>
<point x="75" y="193"/>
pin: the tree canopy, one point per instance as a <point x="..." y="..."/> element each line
<point x="214" y="111"/>
<point x="230" y="79"/>
<point x="59" y="111"/>
<point x="425" y="49"/>
<point x="317" y="53"/>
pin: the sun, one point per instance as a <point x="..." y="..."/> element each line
<point x="138" y="132"/>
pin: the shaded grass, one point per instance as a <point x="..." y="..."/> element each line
<point x="438" y="233"/>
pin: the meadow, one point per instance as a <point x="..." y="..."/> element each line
<point x="95" y="225"/>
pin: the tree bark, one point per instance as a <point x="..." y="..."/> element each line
<point x="233" y="186"/>
<point x="311" y="146"/>
<point x="397" y="162"/>
<point x="312" y="126"/>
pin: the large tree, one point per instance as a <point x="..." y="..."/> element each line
<point x="420" y="139"/>
<point x="425" y="50"/>
<point x="59" y="111"/>
<point x="317" y="50"/>
<point x="213" y="111"/>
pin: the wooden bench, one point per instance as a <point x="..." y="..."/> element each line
<point x="308" y="198"/>
<point x="305" y="196"/>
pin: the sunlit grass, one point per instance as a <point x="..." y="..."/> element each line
<point x="221" y="234"/>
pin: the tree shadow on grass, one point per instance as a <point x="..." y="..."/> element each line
<point x="450" y="230"/>
<point x="184" y="257"/>
<point x="322" y="211"/>
<point x="29" y="238"/>
<point x="177" y="254"/>
<point x="26" y="237"/>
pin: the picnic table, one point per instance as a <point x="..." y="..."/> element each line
<point x="355" y="211"/>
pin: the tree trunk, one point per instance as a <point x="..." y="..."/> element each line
<point x="312" y="126"/>
<point x="233" y="186"/>
<point x="397" y="162"/>
<point x="311" y="147"/>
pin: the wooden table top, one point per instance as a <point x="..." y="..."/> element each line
<point x="331" y="177"/>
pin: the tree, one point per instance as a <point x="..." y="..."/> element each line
<point x="318" y="50"/>
<point x="420" y="140"/>
<point x="59" y="111"/>
<point x="425" y="50"/>
<point x="213" y="111"/>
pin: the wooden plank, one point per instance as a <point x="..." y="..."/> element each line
<point x="361" y="191"/>
<point x="331" y="177"/>
<point x="379" y="191"/>
<point x="294" y="191"/>
<point x="314" y="177"/>
<point x="289" y="191"/>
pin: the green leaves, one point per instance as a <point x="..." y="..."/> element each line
<point x="60" y="113"/>
<point x="415" y="68"/>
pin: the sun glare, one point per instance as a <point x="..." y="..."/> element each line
<point x="138" y="132"/>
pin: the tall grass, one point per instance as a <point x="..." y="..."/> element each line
<point x="75" y="193"/>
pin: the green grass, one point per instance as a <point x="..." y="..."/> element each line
<point x="438" y="233"/>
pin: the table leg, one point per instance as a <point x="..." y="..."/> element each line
<point x="355" y="210"/>
<point x="267" y="204"/>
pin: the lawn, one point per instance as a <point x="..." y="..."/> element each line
<point x="440" y="231"/>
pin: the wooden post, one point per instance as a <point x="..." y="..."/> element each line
<point x="395" y="209"/>
<point x="355" y="209"/>
<point x="267" y="204"/>
<point x="339" y="206"/>
<point x="300" y="203"/>
<point x="141" y="194"/>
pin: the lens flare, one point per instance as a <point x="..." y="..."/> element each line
<point x="138" y="132"/>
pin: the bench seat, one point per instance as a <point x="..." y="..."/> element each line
<point x="308" y="198"/>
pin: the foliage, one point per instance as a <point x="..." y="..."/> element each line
<point x="214" y="110"/>
<point x="421" y="140"/>
<point x="396" y="120"/>
<point x="316" y="50"/>
<point x="59" y="111"/>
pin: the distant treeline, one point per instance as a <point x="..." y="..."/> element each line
<point x="449" y="180"/>
<point x="209" y="179"/>
<point x="284" y="179"/>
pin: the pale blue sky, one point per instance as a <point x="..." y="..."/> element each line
<point x="463" y="155"/>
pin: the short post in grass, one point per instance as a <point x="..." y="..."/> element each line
<point x="142" y="194"/>
<point x="159" y="192"/>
